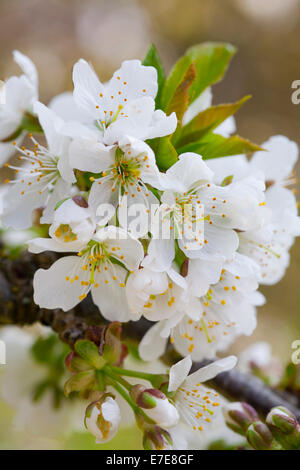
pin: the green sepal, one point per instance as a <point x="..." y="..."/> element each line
<point x="80" y="382"/>
<point x="89" y="352"/>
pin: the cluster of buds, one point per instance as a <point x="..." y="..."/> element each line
<point x="94" y="365"/>
<point x="89" y="357"/>
<point x="280" y="430"/>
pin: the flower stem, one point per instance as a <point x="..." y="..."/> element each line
<point x="133" y="373"/>
<point x="115" y="381"/>
<point x="122" y="392"/>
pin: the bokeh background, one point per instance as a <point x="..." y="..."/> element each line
<point x="56" y="33"/>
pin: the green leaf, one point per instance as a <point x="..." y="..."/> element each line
<point x="152" y="59"/>
<point x="216" y="146"/>
<point x="211" y="60"/>
<point x="79" y="382"/>
<point x="208" y="120"/>
<point x="89" y="352"/>
<point x="173" y="81"/>
<point x="180" y="100"/>
<point x="165" y="152"/>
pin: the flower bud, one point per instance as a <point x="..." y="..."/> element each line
<point x="285" y="427"/>
<point x="260" y="437"/>
<point x="156" y="438"/>
<point x="102" y="419"/>
<point x="282" y="419"/>
<point x="158" y="407"/>
<point x="239" y="416"/>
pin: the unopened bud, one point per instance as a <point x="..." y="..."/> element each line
<point x="158" y="407"/>
<point x="156" y="438"/>
<point x="102" y="419"/>
<point x="285" y="427"/>
<point x="80" y="201"/>
<point x="239" y="416"/>
<point x="260" y="437"/>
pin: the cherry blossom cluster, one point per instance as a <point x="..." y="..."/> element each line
<point x="198" y="286"/>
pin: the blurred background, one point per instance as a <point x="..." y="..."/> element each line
<point x="56" y="33"/>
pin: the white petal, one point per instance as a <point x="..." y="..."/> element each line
<point x="18" y="93"/>
<point x="65" y="107"/>
<point x="51" y="123"/>
<point x="7" y="149"/>
<point x="58" y="143"/>
<point x="201" y="103"/>
<point x="179" y="372"/>
<point x="61" y="190"/>
<point x="88" y="155"/>
<point x="279" y="159"/>
<point x="110" y="297"/>
<point x="153" y="344"/>
<point x="134" y="81"/>
<point x="135" y="121"/>
<point x="160" y="255"/>
<point x="28" y="68"/>
<point x="203" y="273"/>
<point x="227" y="127"/>
<point x="111" y="411"/>
<point x="209" y="372"/>
<point x="189" y="170"/>
<point x="102" y="193"/>
<point x="161" y="124"/>
<point x="122" y="246"/>
<point x="18" y="208"/>
<point x="87" y="88"/>
<point x="51" y="290"/>
<point x="236" y="166"/>
<point x="38" y="245"/>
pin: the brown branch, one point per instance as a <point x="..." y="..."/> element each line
<point x="239" y="386"/>
<point x="18" y="307"/>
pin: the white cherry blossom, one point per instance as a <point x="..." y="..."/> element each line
<point x="126" y="172"/>
<point x="123" y="106"/>
<point x="225" y="210"/>
<point x="45" y="177"/>
<point x="155" y="295"/>
<point x="20" y="93"/>
<point x="100" y="266"/>
<point x="205" y="324"/>
<point x="198" y="405"/>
